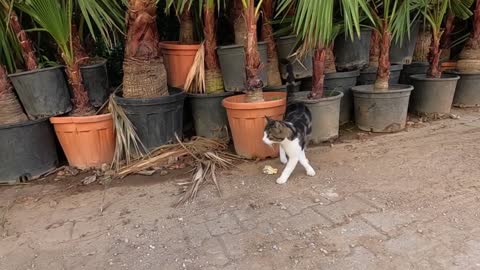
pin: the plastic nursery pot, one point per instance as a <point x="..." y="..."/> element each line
<point x="352" y="54"/>
<point x="232" y="64"/>
<point x="402" y="53"/>
<point x="412" y="69"/>
<point x="369" y="75"/>
<point x="209" y="116"/>
<point x="325" y="115"/>
<point x="178" y="59"/>
<point x="381" y="111"/>
<point x="156" y="120"/>
<point x="467" y="93"/>
<point x="43" y="92"/>
<point x="247" y="122"/>
<point x="302" y="68"/>
<point x="95" y="79"/>
<point x="433" y="95"/>
<point x="27" y="150"/>
<point x="87" y="141"/>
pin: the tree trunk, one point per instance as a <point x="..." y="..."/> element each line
<point x="330" y="60"/>
<point x="374" y="49"/>
<point x="186" y="27"/>
<point x="422" y="46"/>
<point x="239" y="23"/>
<point x="434" y="57"/>
<point x="446" y="39"/>
<point x="80" y="101"/>
<point x="318" y="73"/>
<point x="473" y="42"/>
<point x="267" y="34"/>
<point x="252" y="57"/>
<point x="28" y="52"/>
<point x="383" y="72"/>
<point x="78" y="49"/>
<point x="213" y="75"/>
<point x="10" y="108"/>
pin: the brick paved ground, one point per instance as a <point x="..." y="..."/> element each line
<point x="401" y="201"/>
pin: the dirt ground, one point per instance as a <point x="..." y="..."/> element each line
<point x="408" y="200"/>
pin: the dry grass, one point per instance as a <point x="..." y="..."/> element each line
<point x="195" y="81"/>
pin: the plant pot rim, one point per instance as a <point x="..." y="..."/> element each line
<point x="227" y="103"/>
<point x="177" y="46"/>
<point x="235" y="46"/>
<point x="457" y="72"/>
<point x="287" y="37"/>
<point x="393" y="67"/>
<point x="16" y="74"/>
<point x="342" y="74"/>
<point x="80" y="119"/>
<point x="368" y="89"/>
<point x="445" y="77"/>
<point x="151" y="101"/>
<point x="213" y="95"/>
<point x="102" y="61"/>
<point x="23" y="123"/>
<point x="336" y="95"/>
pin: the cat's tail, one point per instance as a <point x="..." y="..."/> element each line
<point x="290" y="76"/>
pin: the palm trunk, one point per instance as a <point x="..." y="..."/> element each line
<point x="78" y="49"/>
<point x="144" y="72"/>
<point x="28" y="52"/>
<point x="474" y="41"/>
<point x="383" y="72"/>
<point x="330" y="60"/>
<point x="252" y="57"/>
<point x="267" y="34"/>
<point x="239" y="23"/>
<point x="434" y="57"/>
<point x="10" y="108"/>
<point x="81" y="103"/>
<point x="318" y="73"/>
<point x="422" y="46"/>
<point x="374" y="49"/>
<point x="446" y="39"/>
<point x="213" y="75"/>
<point x="186" y="27"/>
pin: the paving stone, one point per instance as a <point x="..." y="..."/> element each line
<point x="360" y="259"/>
<point x="339" y="212"/>
<point x="239" y="245"/>
<point x="307" y="220"/>
<point x="213" y="253"/>
<point x="410" y="243"/>
<point x="196" y="234"/>
<point x="249" y="218"/>
<point x="390" y="220"/>
<point x="295" y="205"/>
<point x="226" y="223"/>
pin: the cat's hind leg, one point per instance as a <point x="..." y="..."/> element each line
<point x="306" y="164"/>
<point x="283" y="155"/>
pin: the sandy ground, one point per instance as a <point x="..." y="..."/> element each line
<point x="408" y="200"/>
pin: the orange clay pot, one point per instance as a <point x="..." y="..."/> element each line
<point x="247" y="122"/>
<point x="88" y="141"/>
<point x="448" y="65"/>
<point x="178" y="59"/>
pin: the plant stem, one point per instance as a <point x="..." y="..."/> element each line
<point x="254" y="84"/>
<point x="474" y="40"/>
<point x="213" y="76"/>
<point x="383" y="72"/>
<point x="28" y="52"/>
<point x="434" y="57"/>
<point x="267" y="34"/>
<point x="186" y="27"/>
<point x="446" y="39"/>
<point x="330" y="60"/>
<point x="239" y="24"/>
<point x="374" y="49"/>
<point x="81" y="103"/>
<point x="318" y="73"/>
<point x="78" y="49"/>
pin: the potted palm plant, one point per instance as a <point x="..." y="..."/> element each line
<point x="434" y="91"/>
<point x="274" y="80"/>
<point x="382" y="107"/>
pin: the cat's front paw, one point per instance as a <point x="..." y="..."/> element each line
<point x="311" y="172"/>
<point x="282" y="180"/>
<point x="284" y="160"/>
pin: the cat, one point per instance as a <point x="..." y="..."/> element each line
<point x="292" y="133"/>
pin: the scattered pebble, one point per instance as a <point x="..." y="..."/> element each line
<point x="152" y="247"/>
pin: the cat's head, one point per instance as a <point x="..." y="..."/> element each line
<point x="275" y="131"/>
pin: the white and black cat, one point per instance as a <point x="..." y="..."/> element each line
<point x="292" y="133"/>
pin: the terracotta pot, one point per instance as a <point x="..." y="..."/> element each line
<point x="178" y="59"/>
<point x="88" y="141"/>
<point x="448" y="65"/>
<point x="247" y="122"/>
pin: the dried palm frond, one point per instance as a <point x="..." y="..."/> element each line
<point x="195" y="81"/>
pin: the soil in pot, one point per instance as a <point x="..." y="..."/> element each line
<point x="27" y="150"/>
<point x="232" y="64"/>
<point x="467" y="93"/>
<point x="302" y="68"/>
<point x="156" y="120"/>
<point x="403" y="53"/>
<point x="178" y="59"/>
<point x="352" y="55"/>
<point x="325" y="115"/>
<point x="343" y="82"/>
<point x="209" y="116"/>
<point x="433" y="95"/>
<point x="95" y="79"/>
<point x="381" y="111"/>
<point x="43" y="92"/>
<point x="369" y="75"/>
<point x="412" y="69"/>
<point x="247" y="123"/>
<point x="87" y="141"/>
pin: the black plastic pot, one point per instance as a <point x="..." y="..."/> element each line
<point x="302" y="68"/>
<point x="412" y="69"/>
<point x="384" y="111"/>
<point x="352" y="54"/>
<point x="433" y="95"/>
<point x="209" y="116"/>
<point x="467" y="93"/>
<point x="43" y="92"/>
<point x="369" y="75"/>
<point x="325" y="115"/>
<point x="95" y="79"/>
<point x="156" y="120"/>
<point x="402" y="53"/>
<point x="232" y="64"/>
<point x="27" y="150"/>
